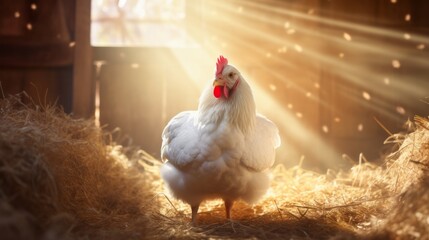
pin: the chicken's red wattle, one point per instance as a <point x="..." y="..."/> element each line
<point x="217" y="91"/>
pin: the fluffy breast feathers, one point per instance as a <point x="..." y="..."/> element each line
<point x="186" y="143"/>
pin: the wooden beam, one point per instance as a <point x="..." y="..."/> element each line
<point x="83" y="84"/>
<point x="42" y="55"/>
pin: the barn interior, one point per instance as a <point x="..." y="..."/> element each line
<point x="345" y="82"/>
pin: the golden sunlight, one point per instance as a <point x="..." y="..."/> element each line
<point x="328" y="66"/>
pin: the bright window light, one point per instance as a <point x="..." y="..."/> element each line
<point x="143" y="23"/>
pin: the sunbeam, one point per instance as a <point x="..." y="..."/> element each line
<point x="321" y="74"/>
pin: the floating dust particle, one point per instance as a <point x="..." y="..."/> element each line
<point x="386" y="81"/>
<point x="407" y="36"/>
<point x="407" y="17"/>
<point x="325" y="129"/>
<point x="17" y="14"/>
<point x="337" y="119"/>
<point x="273" y="87"/>
<point x="347" y="36"/>
<point x="341" y="55"/>
<point x="308" y="94"/>
<point x="393" y="1"/>
<point x="240" y="9"/>
<point x="268" y="55"/>
<point x="298" y="48"/>
<point x="299" y="115"/>
<point x="72" y="44"/>
<point x="291" y="31"/>
<point x="98" y="64"/>
<point x="400" y="110"/>
<point x="282" y="49"/>
<point x="421" y="46"/>
<point x="366" y="95"/>
<point x="135" y="65"/>
<point x="317" y="85"/>
<point x="360" y="127"/>
<point x="286" y="25"/>
<point x="29" y="26"/>
<point x="290" y="105"/>
<point x="396" y="63"/>
<point x="33" y="6"/>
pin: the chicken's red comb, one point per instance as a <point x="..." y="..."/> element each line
<point x="221" y="62"/>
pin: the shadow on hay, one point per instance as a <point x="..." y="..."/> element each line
<point x="272" y="228"/>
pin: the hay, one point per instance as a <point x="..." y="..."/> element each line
<point x="61" y="178"/>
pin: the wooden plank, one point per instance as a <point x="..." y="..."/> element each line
<point x="44" y="55"/>
<point x="13" y="18"/>
<point x="43" y="85"/>
<point x="83" y="84"/>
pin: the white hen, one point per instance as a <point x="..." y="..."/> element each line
<point x="222" y="150"/>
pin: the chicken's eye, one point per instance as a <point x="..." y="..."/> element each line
<point x="230" y="75"/>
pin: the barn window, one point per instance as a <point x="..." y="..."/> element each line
<point x="144" y="23"/>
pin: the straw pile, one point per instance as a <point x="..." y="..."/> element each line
<point x="59" y="180"/>
<point x="62" y="178"/>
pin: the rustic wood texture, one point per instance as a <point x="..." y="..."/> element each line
<point x="83" y="84"/>
<point x="37" y="50"/>
<point x="344" y="98"/>
<point x="45" y="85"/>
<point x="32" y="55"/>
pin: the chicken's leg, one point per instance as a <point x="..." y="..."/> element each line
<point x="228" y="206"/>
<point x="194" y="213"/>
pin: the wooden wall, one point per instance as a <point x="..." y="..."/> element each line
<point x="385" y="42"/>
<point x="44" y="51"/>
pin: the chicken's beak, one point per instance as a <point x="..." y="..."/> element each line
<point x="218" y="82"/>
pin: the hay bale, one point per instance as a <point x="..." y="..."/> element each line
<point x="57" y="169"/>
<point x="409" y="217"/>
